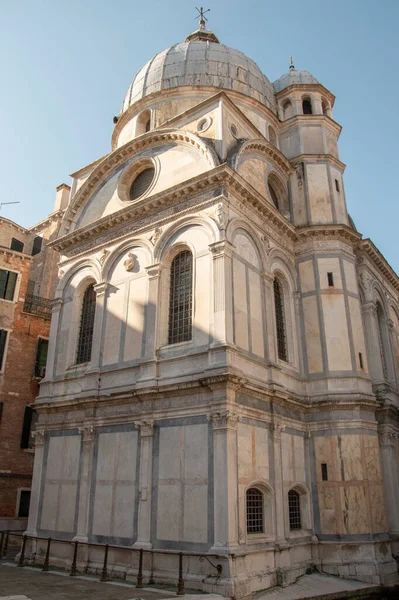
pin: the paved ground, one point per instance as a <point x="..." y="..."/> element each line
<point x="311" y="586"/>
<point x="36" y="585"/>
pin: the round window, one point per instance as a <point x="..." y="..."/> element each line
<point x="204" y="124"/>
<point x="233" y="130"/>
<point x="142" y="183"/>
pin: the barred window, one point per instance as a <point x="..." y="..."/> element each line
<point x="142" y="183"/>
<point x="294" y="509"/>
<point x="254" y="511"/>
<point x="181" y="298"/>
<point x="86" y="325"/>
<point x="280" y="321"/>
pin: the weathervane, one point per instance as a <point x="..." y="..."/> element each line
<point x="201" y="15"/>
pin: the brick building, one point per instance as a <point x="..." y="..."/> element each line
<point x="28" y="273"/>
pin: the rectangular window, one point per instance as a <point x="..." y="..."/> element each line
<point x="41" y="358"/>
<point x="29" y="417"/>
<point x="361" y="360"/>
<point x="24" y="501"/>
<point x="16" y="245"/>
<point x="337" y="185"/>
<point x="330" y="277"/>
<point x="37" y="245"/>
<point x="3" y="340"/>
<point x="1" y="409"/>
<point x="324" y="472"/>
<point x="8" y="281"/>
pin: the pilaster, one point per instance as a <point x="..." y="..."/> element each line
<point x="96" y="349"/>
<point x="387" y="439"/>
<point x="277" y="429"/>
<point x="222" y="292"/>
<point x="39" y="436"/>
<point x="145" y="484"/>
<point x="87" y="432"/>
<point x="56" y="306"/>
<point x="369" y="312"/>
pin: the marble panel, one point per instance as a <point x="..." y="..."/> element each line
<point x="312" y="333"/>
<point x="255" y="312"/>
<point x="240" y="305"/>
<point x="336" y="330"/>
<point x="306" y="275"/>
<point x="319" y="194"/>
<point x="329" y="265"/>
<point x="195" y="524"/>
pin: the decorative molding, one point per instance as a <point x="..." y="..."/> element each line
<point x="103" y="256"/>
<point x="101" y="287"/>
<point x="379" y="262"/>
<point x="224" y="420"/>
<point x="39" y="436"/>
<point x="129" y="261"/>
<point x="156" y="234"/>
<point x="146" y="427"/>
<point x="222" y="215"/>
<point x="87" y="432"/>
<point x="153" y="271"/>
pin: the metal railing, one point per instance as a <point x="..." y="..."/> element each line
<point x="105" y="575"/>
<point x="36" y="305"/>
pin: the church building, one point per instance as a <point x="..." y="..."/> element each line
<point x="223" y="364"/>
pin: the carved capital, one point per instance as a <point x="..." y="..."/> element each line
<point x="146" y="427"/>
<point x="39" y="436"/>
<point x="101" y="288"/>
<point x="221" y="248"/>
<point x="224" y="420"/>
<point x="56" y="304"/>
<point x="222" y="215"/>
<point x="87" y="432"/>
<point x="277" y="429"/>
<point x="153" y="271"/>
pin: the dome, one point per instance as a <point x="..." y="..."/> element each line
<point x="201" y="61"/>
<point x="294" y="77"/>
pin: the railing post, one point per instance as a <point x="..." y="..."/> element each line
<point x="180" y="585"/>
<point x="140" y="571"/>
<point x="73" y="565"/>
<point x="104" y="572"/>
<point x="1" y="544"/>
<point x="6" y="544"/>
<point x="47" y="559"/>
<point x="22" y="554"/>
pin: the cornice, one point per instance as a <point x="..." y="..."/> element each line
<point x="54" y="216"/>
<point x="17" y="227"/>
<point x="317" y="158"/>
<point x="379" y="261"/>
<point x="15" y="254"/>
<point x="341" y="233"/>
<point x="221" y="176"/>
<point x="316" y="87"/>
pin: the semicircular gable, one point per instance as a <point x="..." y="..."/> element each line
<point x="246" y="248"/>
<point x="261" y="148"/>
<point x="180" y="156"/>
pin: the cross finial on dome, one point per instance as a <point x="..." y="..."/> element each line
<point x="292" y="66"/>
<point x="201" y="15"/>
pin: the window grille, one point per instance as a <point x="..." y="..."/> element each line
<point x="280" y="321"/>
<point x="8" y="281"/>
<point x="380" y="317"/>
<point x="142" y="182"/>
<point x="294" y="509"/>
<point x="254" y="511"/>
<point x="181" y="298"/>
<point x="86" y="325"/>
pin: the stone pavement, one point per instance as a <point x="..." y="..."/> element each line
<point x="312" y="586"/>
<point x="31" y="584"/>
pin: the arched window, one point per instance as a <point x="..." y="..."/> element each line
<point x="381" y="328"/>
<point x="280" y="320"/>
<point x="272" y="136"/>
<point x="287" y="109"/>
<point x="181" y="298"/>
<point x="294" y="509"/>
<point x="143" y="123"/>
<point x="83" y="353"/>
<point x="273" y="195"/>
<point x="307" y="106"/>
<point x="325" y="108"/>
<point x="254" y="511"/>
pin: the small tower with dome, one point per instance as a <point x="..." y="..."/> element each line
<point x="222" y="376"/>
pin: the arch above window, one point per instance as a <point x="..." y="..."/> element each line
<point x="181" y="298"/>
<point x="86" y="329"/>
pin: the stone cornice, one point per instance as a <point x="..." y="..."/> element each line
<point x="315" y="87"/>
<point x="21" y="255"/>
<point x="17" y="227"/>
<point x="328" y="232"/>
<point x="54" y="216"/>
<point x="222" y="175"/>
<point x="367" y="247"/>
<point x="318" y="158"/>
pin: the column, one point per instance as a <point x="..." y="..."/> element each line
<point x="145" y="484"/>
<point x="222" y="292"/>
<point x="36" y="483"/>
<point x="225" y="481"/>
<point x="100" y="289"/>
<point x="55" y="319"/>
<point x="391" y="478"/>
<point x="87" y="432"/>
<point x="277" y="429"/>
<point x="369" y="312"/>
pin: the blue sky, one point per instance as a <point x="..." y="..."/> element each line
<point x="66" y="65"/>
